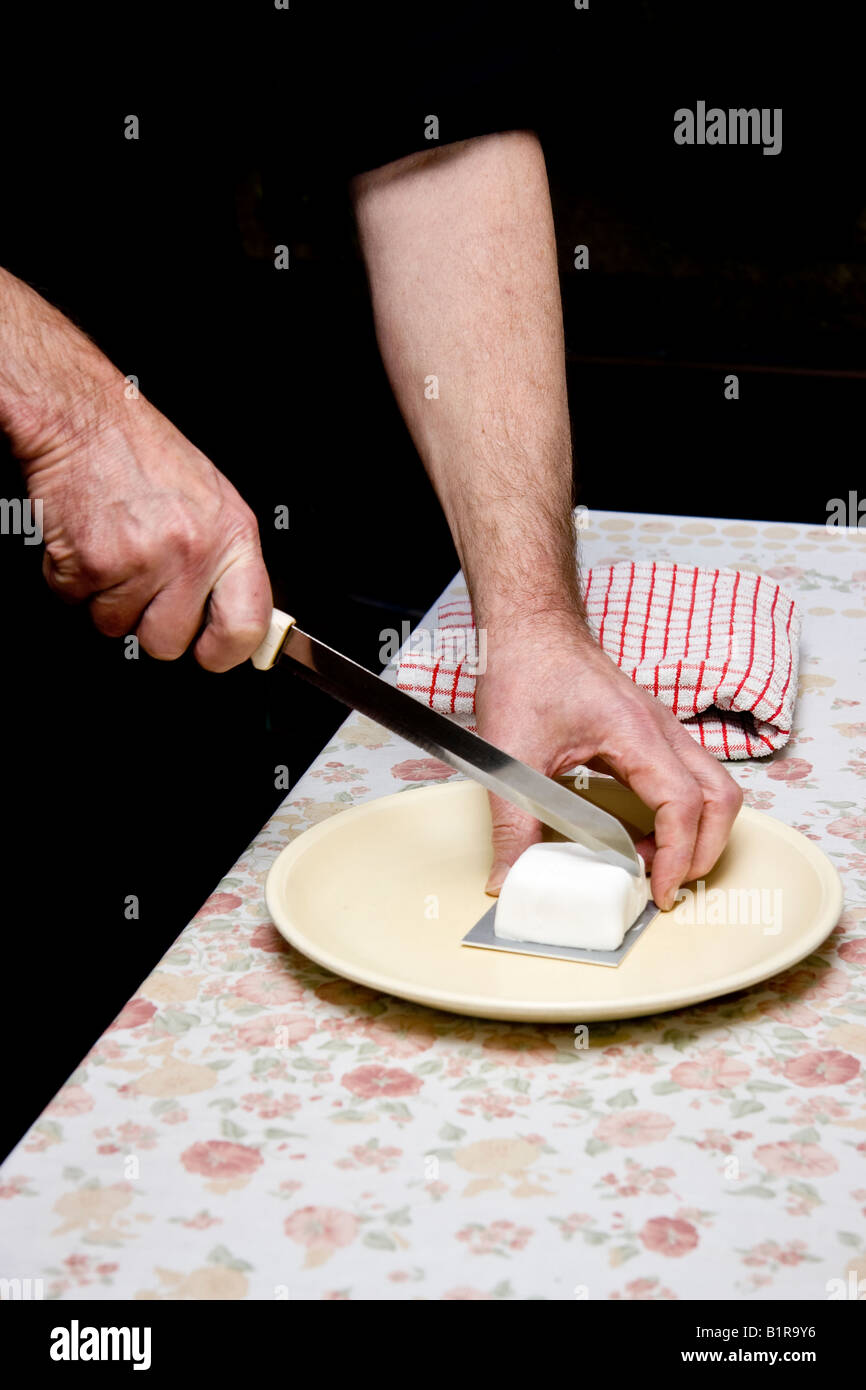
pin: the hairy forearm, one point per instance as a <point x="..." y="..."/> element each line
<point x="460" y="252"/>
<point x="53" y="379"/>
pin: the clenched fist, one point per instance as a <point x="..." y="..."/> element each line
<point x="136" y="520"/>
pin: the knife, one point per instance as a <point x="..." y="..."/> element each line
<point x="507" y="777"/>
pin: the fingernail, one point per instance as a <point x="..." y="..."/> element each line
<point x="497" y="877"/>
<point x="669" y="899"/>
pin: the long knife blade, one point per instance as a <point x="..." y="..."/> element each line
<point x="466" y="752"/>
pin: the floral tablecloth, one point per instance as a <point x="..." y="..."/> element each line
<point x="251" y="1126"/>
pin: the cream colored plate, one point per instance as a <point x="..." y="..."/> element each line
<point x="384" y="892"/>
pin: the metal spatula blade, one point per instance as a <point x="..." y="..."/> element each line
<point x="441" y="737"/>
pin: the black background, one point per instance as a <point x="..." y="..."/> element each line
<point x="193" y="1337"/>
<point x="138" y="777"/>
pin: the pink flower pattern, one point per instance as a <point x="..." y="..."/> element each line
<point x="292" y="1128"/>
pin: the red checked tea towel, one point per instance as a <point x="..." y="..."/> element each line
<point x="718" y="647"/>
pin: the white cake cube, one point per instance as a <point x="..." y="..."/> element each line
<point x="560" y="894"/>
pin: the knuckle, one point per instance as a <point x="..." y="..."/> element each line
<point x="69" y="569"/>
<point x="162" y="647"/>
<point x="726" y="795"/>
<point x="511" y="831"/>
<point x="212" y="660"/>
<point x="691" y="801"/>
<point x="507" y="818"/>
<point x="57" y="580"/>
<point x="109" y="621"/>
<point x="137" y="553"/>
<point x="187" y="537"/>
<point x="243" y="530"/>
<point x="732" y="797"/>
<point x="505" y="833"/>
<point x="245" y="519"/>
<point x="95" y="567"/>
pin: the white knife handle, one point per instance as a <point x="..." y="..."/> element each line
<point x="264" y="656"/>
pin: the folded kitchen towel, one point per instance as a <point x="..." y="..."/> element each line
<point x="718" y="647"/>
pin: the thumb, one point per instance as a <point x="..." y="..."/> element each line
<point x="238" y="614"/>
<point x="513" y="832"/>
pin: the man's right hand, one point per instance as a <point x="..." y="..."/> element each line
<point x="135" y="519"/>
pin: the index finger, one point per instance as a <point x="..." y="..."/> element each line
<point x="666" y="785"/>
<point x="722" y="799"/>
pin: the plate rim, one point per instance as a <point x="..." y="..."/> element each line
<point x="516" y="1010"/>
